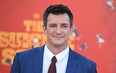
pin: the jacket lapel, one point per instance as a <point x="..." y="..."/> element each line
<point x="38" y="60"/>
<point x="72" y="62"/>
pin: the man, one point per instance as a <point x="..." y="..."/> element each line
<point x="57" y="26"/>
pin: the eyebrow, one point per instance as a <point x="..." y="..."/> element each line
<point x="64" y="24"/>
<point x="56" y="23"/>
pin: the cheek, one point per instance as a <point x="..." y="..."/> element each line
<point x="48" y="33"/>
<point x="69" y="32"/>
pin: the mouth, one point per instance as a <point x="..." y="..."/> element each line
<point x="58" y="37"/>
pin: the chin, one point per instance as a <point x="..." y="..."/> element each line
<point x="58" y="44"/>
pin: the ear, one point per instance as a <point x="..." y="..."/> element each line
<point x="71" y="29"/>
<point x="44" y="27"/>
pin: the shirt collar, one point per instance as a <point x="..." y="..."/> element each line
<point x="59" y="56"/>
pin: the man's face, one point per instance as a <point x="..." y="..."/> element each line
<point x="58" y="29"/>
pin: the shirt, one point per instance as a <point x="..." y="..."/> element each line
<point x="62" y="59"/>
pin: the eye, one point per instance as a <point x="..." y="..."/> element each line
<point x="65" y="25"/>
<point x="52" y="25"/>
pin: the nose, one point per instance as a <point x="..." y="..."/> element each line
<point x="58" y="30"/>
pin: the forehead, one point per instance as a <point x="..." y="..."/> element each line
<point x="58" y="19"/>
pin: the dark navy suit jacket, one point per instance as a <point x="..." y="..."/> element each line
<point x="31" y="61"/>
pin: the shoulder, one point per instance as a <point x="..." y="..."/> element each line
<point x="82" y="59"/>
<point x="84" y="64"/>
<point x="28" y="53"/>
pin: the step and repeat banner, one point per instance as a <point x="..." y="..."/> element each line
<point x="94" y="30"/>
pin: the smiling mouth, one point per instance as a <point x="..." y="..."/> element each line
<point x="58" y="37"/>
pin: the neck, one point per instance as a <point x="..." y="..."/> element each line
<point x="55" y="49"/>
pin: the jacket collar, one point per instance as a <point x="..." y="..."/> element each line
<point x="72" y="62"/>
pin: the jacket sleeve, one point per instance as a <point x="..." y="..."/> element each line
<point x="94" y="70"/>
<point x="15" y="67"/>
